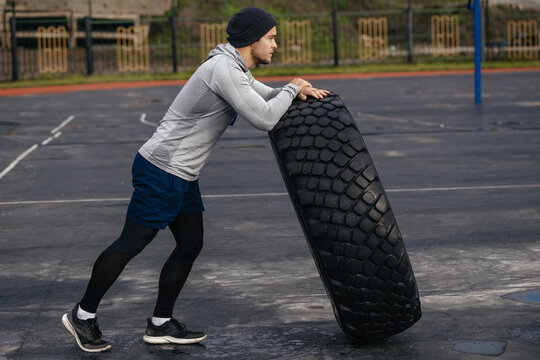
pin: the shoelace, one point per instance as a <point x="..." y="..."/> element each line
<point x="94" y="328"/>
<point x="178" y="325"/>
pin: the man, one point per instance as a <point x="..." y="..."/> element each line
<point x="166" y="170"/>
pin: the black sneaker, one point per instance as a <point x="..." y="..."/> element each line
<point x="86" y="332"/>
<point x="171" y="332"/>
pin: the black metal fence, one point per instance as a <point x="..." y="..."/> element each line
<point x="55" y="47"/>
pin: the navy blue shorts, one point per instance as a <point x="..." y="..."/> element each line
<point x="159" y="197"/>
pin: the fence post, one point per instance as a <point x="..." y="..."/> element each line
<point x="89" y="54"/>
<point x="482" y="32"/>
<point x="335" y="31"/>
<point x="410" y="31"/>
<point x="14" y="62"/>
<point x="173" y="43"/>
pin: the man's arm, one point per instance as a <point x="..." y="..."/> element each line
<point x="231" y="84"/>
<point x="265" y="91"/>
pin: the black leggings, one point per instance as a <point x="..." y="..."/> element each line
<point x="187" y="230"/>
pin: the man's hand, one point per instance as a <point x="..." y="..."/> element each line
<point x="301" y="83"/>
<point x="311" y="91"/>
<point x="307" y="90"/>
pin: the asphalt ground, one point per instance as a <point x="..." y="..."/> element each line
<point x="463" y="181"/>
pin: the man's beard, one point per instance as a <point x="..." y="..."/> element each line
<point x="260" y="60"/>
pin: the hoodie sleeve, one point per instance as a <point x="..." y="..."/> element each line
<point x="265" y="91"/>
<point x="233" y="86"/>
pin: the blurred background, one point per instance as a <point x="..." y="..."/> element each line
<point x="55" y="38"/>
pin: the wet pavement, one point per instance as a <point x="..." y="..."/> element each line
<point x="463" y="181"/>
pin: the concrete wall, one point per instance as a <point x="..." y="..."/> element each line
<point x="525" y="4"/>
<point x="72" y="10"/>
<point x="99" y="7"/>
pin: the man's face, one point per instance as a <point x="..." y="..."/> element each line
<point x="262" y="50"/>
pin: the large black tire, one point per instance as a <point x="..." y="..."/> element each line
<point x="346" y="218"/>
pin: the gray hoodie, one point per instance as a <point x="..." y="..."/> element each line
<point x="220" y="89"/>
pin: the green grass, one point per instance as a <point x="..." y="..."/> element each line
<point x="82" y="79"/>
<point x="269" y="71"/>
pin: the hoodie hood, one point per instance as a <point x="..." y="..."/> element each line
<point x="230" y="51"/>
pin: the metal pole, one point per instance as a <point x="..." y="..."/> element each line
<point x="335" y="31"/>
<point x="173" y="43"/>
<point x="14" y="62"/>
<point x="89" y="54"/>
<point x="88" y="30"/>
<point x="486" y="29"/>
<point x="410" y="31"/>
<point x="477" y="52"/>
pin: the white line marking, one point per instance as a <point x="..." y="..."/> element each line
<point x="144" y="121"/>
<point x="19" y="158"/>
<point x="46" y="141"/>
<point x="35" y="146"/>
<point x="400" y="120"/>
<point x="217" y="196"/>
<point x="458" y="188"/>
<point x="62" y="124"/>
<point x="67" y="201"/>
<point x="50" y="138"/>
<point x="224" y="196"/>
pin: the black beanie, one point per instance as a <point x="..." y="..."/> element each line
<point x="248" y="26"/>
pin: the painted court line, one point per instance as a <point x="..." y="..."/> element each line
<point x="396" y="119"/>
<point x="227" y="196"/>
<point x="217" y="196"/>
<point x="65" y="201"/>
<point x="17" y="160"/>
<point x="46" y="141"/>
<point x="50" y="138"/>
<point x="56" y="133"/>
<point x="62" y="124"/>
<point x="460" y="188"/>
<point x="144" y="121"/>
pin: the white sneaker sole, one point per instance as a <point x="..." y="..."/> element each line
<point x="70" y="328"/>
<point x="171" y="340"/>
